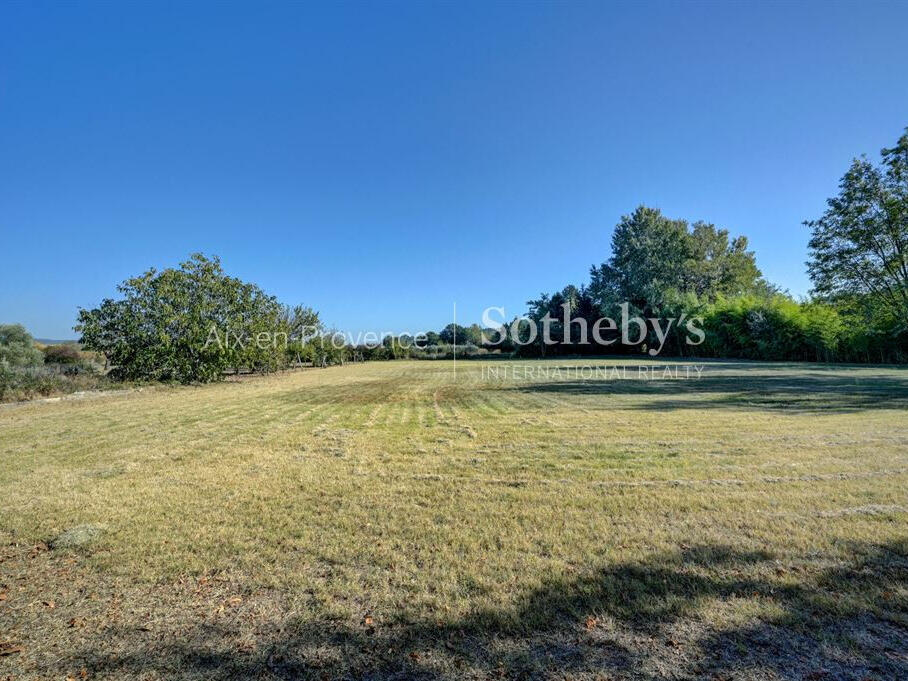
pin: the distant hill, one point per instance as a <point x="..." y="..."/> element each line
<point x="52" y="341"/>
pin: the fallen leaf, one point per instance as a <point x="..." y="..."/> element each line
<point x="590" y="623"/>
<point x="235" y="600"/>
<point x="368" y="621"/>
<point x="49" y="604"/>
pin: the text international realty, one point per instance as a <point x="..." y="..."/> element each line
<point x="618" y="372"/>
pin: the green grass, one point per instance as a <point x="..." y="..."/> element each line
<point x="393" y="520"/>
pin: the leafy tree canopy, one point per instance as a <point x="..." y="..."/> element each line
<point x="190" y="324"/>
<point x="655" y="258"/>
<point x="859" y="247"/>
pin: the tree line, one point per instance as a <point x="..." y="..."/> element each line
<point x="196" y="323"/>
<point x="664" y="268"/>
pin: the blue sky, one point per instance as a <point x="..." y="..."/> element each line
<point x="380" y="161"/>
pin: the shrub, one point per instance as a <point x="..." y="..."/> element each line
<point x="774" y="328"/>
<point x="17" y="347"/>
<point x="23" y="383"/>
<point x="64" y="353"/>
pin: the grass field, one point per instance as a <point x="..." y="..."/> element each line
<point x="389" y="520"/>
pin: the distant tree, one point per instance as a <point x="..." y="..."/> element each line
<point x="859" y="247"/>
<point x="717" y="265"/>
<point x="497" y="338"/>
<point x="655" y="259"/>
<point x="397" y="347"/>
<point x="580" y="308"/>
<point x="649" y="252"/>
<point x="660" y="267"/>
<point x="449" y="334"/>
<point x="17" y="347"/>
<point x="302" y="325"/>
<point x="462" y="335"/>
<point x="328" y="348"/>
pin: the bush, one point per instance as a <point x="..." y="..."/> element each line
<point x="23" y="383"/>
<point x="17" y="347"/>
<point x="447" y="351"/>
<point x="64" y="353"/>
<point x="774" y="328"/>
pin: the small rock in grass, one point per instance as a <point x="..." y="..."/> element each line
<point x="80" y="535"/>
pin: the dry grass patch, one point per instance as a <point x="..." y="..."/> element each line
<point x="389" y="520"/>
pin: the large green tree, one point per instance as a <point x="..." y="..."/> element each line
<point x="859" y="247"/>
<point x="649" y="251"/>
<point x="189" y="324"/>
<point x="656" y="259"/>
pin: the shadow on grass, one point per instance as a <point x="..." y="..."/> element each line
<point x="641" y="620"/>
<point x="752" y="388"/>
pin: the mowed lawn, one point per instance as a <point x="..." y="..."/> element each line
<point x="393" y="520"/>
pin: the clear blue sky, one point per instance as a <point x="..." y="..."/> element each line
<point x="379" y="161"/>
